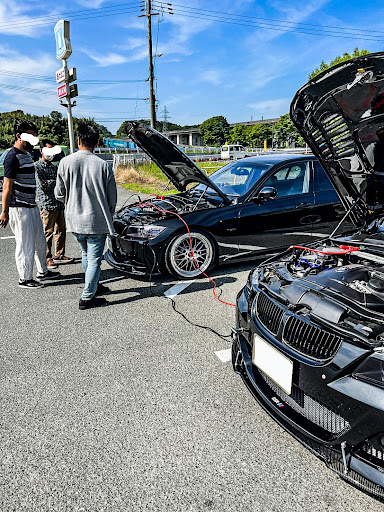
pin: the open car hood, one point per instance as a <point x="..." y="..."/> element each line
<point x="340" y="113"/>
<point x="176" y="165"/>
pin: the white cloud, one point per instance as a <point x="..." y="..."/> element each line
<point x="270" y="108"/>
<point x="110" y="59"/>
<point x="11" y="60"/>
<point x="132" y="43"/>
<point x="289" y="15"/>
<point x="212" y="76"/>
<point x="13" y="19"/>
<point x="92" y="4"/>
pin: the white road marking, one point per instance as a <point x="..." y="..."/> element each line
<point x="177" y="288"/>
<point x="224" y="355"/>
<point x="6" y="237"/>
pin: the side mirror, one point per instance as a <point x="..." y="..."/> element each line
<point x="265" y="194"/>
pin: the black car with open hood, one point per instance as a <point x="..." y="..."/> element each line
<point x="246" y="209"/>
<point x="309" y="339"/>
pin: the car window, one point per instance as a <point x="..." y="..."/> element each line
<point x="290" y="180"/>
<point x="238" y="177"/>
<point x="324" y="183"/>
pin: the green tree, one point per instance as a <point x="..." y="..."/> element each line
<point x="215" y="131"/>
<point x="54" y="127"/>
<point x="239" y="134"/>
<point x="258" y="134"/>
<point x="285" y="133"/>
<point x="337" y="60"/>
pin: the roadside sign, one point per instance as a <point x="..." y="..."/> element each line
<point x="72" y="75"/>
<point x="63" y="90"/>
<point x="73" y="92"/>
<point x="63" y="44"/>
<point x="61" y="75"/>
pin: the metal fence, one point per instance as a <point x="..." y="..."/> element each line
<point x="129" y="159"/>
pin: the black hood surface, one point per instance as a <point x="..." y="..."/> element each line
<point x="340" y="114"/>
<point x="175" y="164"/>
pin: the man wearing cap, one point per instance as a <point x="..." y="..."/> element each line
<point x="20" y="210"/>
<point x="51" y="210"/>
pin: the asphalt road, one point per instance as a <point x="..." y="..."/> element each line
<point x="129" y="408"/>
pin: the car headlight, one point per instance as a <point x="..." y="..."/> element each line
<point x="252" y="281"/>
<point x="372" y="370"/>
<point x="145" y="231"/>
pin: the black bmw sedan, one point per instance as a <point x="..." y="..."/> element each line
<point x="249" y="208"/>
<point x="309" y="340"/>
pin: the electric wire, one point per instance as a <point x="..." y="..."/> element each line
<point x="41" y="78"/>
<point x="151" y="286"/>
<point x="41" y="91"/>
<point x="48" y="20"/>
<point x="290" y="24"/>
<point x="173" y="303"/>
<point x="228" y="18"/>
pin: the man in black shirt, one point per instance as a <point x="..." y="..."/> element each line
<point x="20" y="210"/>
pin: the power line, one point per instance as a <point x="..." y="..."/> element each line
<point x="69" y="13"/>
<point x="33" y="23"/>
<point x="231" y="19"/>
<point x="52" y="79"/>
<point x="292" y="23"/>
<point x="41" y="91"/>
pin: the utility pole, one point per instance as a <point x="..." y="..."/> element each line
<point x="152" y="100"/>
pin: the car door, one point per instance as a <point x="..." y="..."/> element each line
<point x="277" y="223"/>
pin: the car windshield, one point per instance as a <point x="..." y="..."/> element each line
<point x="236" y="178"/>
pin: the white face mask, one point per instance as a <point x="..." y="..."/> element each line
<point x="50" y="153"/>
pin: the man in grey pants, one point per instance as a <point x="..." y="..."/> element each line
<point x="87" y="186"/>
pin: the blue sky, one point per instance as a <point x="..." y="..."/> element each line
<point x="230" y="67"/>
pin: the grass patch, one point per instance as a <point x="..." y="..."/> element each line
<point x="149" y="179"/>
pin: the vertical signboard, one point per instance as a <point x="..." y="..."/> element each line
<point x="63" y="43"/>
<point x="63" y="51"/>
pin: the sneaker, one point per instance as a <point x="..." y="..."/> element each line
<point x="31" y="284"/>
<point x="47" y="275"/>
<point x="51" y="264"/>
<point x="62" y="259"/>
<point x="95" y="302"/>
<point x="102" y="289"/>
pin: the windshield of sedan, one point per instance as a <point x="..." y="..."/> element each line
<point x="236" y="178"/>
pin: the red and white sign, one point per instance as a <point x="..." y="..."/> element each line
<point x="63" y="90"/>
<point x="60" y="75"/>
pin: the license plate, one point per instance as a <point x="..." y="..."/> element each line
<point x="272" y="362"/>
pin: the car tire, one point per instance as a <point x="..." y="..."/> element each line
<point x="178" y="257"/>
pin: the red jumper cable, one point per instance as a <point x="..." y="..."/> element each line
<point x="190" y="244"/>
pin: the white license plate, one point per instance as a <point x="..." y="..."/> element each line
<point x="272" y="362"/>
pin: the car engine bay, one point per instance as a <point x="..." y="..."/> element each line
<point x="332" y="283"/>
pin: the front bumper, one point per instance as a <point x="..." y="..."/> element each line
<point x="340" y="430"/>
<point x="131" y="256"/>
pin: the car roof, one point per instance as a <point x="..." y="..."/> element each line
<point x="276" y="158"/>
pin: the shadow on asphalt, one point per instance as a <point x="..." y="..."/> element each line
<point x="142" y="287"/>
